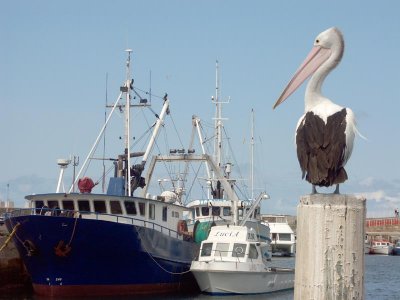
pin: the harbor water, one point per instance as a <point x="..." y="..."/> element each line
<point x="382" y="281"/>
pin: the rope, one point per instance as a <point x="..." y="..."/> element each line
<point x="14" y="231"/>
<point x="73" y="231"/>
<point x="161" y="267"/>
<point x="18" y="238"/>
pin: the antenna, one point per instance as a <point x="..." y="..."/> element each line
<point x="150" y="88"/>
<point x="75" y="163"/>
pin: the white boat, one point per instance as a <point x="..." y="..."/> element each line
<point x="382" y="247"/>
<point x="233" y="261"/>
<point x="283" y="239"/>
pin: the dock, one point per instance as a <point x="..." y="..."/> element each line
<point x="13" y="275"/>
<point x="386" y="228"/>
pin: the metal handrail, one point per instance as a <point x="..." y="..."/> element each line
<point x="72" y="214"/>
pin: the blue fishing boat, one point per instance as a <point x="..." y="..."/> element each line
<point x="112" y="243"/>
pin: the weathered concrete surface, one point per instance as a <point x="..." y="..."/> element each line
<point x="330" y="247"/>
<point x="13" y="274"/>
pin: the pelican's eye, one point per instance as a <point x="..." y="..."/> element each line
<point x="317" y="41"/>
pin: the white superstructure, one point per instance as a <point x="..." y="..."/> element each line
<point x="283" y="239"/>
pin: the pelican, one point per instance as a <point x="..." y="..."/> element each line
<point x="325" y="132"/>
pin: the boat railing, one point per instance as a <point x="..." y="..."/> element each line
<point x="227" y="255"/>
<point x="56" y="212"/>
<point x="221" y="253"/>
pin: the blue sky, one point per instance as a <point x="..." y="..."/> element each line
<point x="55" y="55"/>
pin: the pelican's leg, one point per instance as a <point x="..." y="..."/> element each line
<point x="314" y="190"/>
<point x="336" y="190"/>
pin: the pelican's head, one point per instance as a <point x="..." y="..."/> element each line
<point x="331" y="39"/>
<point x="328" y="44"/>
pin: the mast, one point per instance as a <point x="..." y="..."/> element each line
<point x="252" y="155"/>
<point x="218" y="144"/>
<point x="218" y="121"/>
<point x="128" y="85"/>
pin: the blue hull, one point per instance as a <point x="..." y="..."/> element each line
<point x="106" y="258"/>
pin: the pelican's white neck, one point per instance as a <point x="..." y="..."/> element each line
<point x="313" y="95"/>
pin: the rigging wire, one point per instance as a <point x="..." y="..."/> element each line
<point x="193" y="182"/>
<point x="103" y="182"/>
<point x="149" y="93"/>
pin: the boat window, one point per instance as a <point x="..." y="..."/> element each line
<point x="99" y="206"/>
<point x="175" y="214"/>
<point x="274" y="236"/>
<point x="226" y="211"/>
<point x="68" y="204"/>
<point x="216" y="210"/>
<point x="205" y="211"/>
<point x="253" y="253"/>
<point x="55" y="208"/>
<point x="206" y="249"/>
<point x="221" y="249"/>
<point x="130" y="207"/>
<point x="152" y="209"/>
<point x="284" y="237"/>
<point x="238" y="250"/>
<point x="38" y="205"/>
<point x="240" y="212"/>
<point x="164" y="213"/>
<point x="192" y="212"/>
<point x="197" y="211"/>
<point x="142" y="208"/>
<point x="256" y="213"/>
<point x="84" y="206"/>
<point x="115" y="207"/>
<point x="53" y="204"/>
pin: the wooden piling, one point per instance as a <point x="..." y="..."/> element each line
<point x="330" y="247"/>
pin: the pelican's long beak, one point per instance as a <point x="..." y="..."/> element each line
<point x="314" y="59"/>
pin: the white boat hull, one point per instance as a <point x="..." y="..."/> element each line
<point x="218" y="278"/>
<point x="382" y="250"/>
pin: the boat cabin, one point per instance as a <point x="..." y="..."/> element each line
<point x="233" y="243"/>
<point x="129" y="210"/>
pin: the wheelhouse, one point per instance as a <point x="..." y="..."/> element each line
<point x="129" y="210"/>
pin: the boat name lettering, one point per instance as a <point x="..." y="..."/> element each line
<point x="226" y="233"/>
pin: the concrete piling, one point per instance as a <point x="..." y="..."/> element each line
<point x="330" y="247"/>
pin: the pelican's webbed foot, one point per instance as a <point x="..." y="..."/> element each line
<point x="314" y="190"/>
<point x="337" y="190"/>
